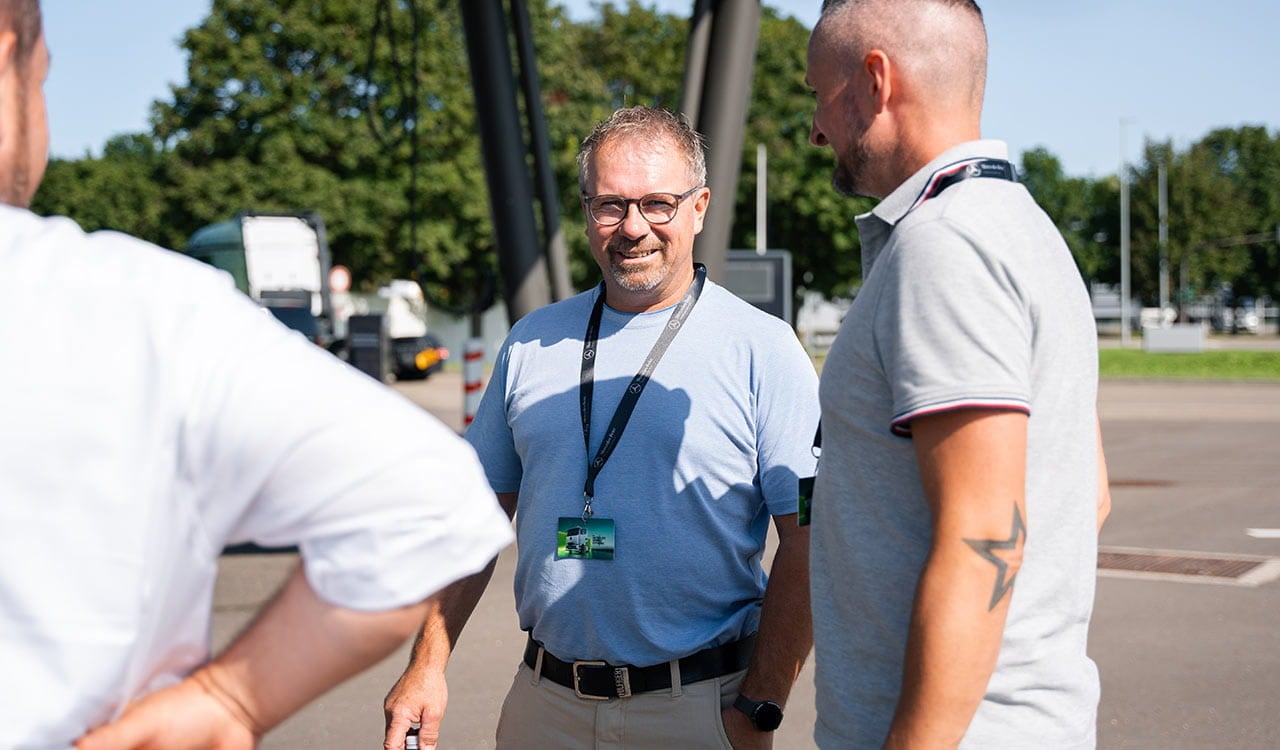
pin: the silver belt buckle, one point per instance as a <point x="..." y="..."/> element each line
<point x="621" y="681"/>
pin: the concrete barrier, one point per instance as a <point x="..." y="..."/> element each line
<point x="1185" y="338"/>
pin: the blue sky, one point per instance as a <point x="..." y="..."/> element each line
<point x="1063" y="75"/>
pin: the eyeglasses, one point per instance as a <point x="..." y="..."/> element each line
<point x="656" y="208"/>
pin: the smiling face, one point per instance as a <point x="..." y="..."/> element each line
<point x="24" y="129"/>
<point x="645" y="266"/>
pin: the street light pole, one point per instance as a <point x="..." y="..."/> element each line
<point x="1164" y="237"/>
<point x="1124" y="238"/>
<point x="762" y="199"/>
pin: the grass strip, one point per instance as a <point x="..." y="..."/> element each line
<point x="1210" y="365"/>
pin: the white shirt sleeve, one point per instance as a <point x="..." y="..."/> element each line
<point x="284" y="444"/>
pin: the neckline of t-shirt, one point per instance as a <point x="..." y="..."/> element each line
<point x="646" y="319"/>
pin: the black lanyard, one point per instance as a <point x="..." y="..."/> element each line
<point x="625" y="408"/>
<point x="962" y="170"/>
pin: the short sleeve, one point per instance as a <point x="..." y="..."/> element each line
<point x="283" y="444"/>
<point x="490" y="432"/>
<point x="952" y="329"/>
<point x="787" y="418"/>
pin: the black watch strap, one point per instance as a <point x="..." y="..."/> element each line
<point x="765" y="716"/>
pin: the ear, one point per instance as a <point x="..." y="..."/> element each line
<point x="9" y="84"/>
<point x="879" y="71"/>
<point x="700" y="204"/>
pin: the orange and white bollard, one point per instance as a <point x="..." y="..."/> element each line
<point x="472" y="378"/>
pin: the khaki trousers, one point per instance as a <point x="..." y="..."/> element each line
<point x="540" y="714"/>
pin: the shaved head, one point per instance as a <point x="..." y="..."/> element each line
<point x="939" y="45"/>
<point x="895" y="83"/>
<point x="23" y="18"/>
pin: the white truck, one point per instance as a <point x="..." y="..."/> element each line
<point x="280" y="260"/>
<point x="415" y="354"/>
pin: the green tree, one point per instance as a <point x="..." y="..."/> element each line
<point x="283" y="110"/>
<point x="125" y="189"/>
<point x="805" y="214"/>
<point x="298" y="104"/>
<point x="1249" y="158"/>
<point x="1205" y="206"/>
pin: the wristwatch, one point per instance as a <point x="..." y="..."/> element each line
<point x="765" y="716"/>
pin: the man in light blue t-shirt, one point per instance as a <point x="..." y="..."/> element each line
<point x="961" y="485"/>
<point x="644" y="434"/>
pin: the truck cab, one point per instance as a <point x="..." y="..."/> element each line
<point x="280" y="260"/>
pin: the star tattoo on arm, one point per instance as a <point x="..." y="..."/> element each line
<point x="995" y="551"/>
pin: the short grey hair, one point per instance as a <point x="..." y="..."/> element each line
<point x="650" y="123"/>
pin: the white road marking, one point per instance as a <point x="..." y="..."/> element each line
<point x="1263" y="533"/>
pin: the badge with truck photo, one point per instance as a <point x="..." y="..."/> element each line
<point x="584" y="539"/>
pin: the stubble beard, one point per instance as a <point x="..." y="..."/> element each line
<point x="644" y="279"/>
<point x="17" y="178"/>
<point x="849" y="167"/>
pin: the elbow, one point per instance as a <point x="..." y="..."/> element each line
<point x="1104" y="507"/>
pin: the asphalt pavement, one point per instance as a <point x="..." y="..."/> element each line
<point x="1188" y="660"/>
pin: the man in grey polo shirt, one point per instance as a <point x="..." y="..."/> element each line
<point x="960" y="441"/>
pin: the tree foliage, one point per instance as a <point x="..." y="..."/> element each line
<point x="300" y="105"/>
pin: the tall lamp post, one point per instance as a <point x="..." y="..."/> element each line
<point x="1164" y="237"/>
<point x="1124" y="237"/>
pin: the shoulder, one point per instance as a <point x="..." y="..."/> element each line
<point x="723" y="301"/>
<point x="55" y="251"/>
<point x="729" y="312"/>
<point x="979" y="209"/>
<point x="556" y="318"/>
<point x="995" y="220"/>
<point x="746" y="336"/>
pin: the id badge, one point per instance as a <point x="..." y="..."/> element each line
<point x="805" y="511"/>
<point x="584" y="539"/>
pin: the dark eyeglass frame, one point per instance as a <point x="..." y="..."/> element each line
<point x="677" y="198"/>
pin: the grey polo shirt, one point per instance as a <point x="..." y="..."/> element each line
<point x="970" y="300"/>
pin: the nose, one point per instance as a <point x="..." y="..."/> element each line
<point x="816" y="136"/>
<point x="633" y="226"/>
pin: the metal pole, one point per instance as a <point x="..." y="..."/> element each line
<point x="548" y="196"/>
<point x="695" y="61"/>
<point x="726" y="95"/>
<point x="1124" y="239"/>
<point x="1164" y="237"/>
<point x="524" y="271"/>
<point x="762" y="203"/>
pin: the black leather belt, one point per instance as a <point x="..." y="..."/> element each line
<point x="598" y="680"/>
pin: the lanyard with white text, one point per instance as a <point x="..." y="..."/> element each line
<point x="963" y="170"/>
<point x="622" y="414"/>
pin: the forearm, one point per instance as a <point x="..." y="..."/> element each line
<point x="973" y="472"/>
<point x="447" y="614"/>
<point x="952" y="648"/>
<point x="786" y="628"/>
<point x="1104" y="484"/>
<point x="449" y="610"/>
<point x="298" y="648"/>
<point x="421" y="693"/>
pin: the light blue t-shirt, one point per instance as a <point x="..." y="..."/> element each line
<point x="716" y="444"/>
